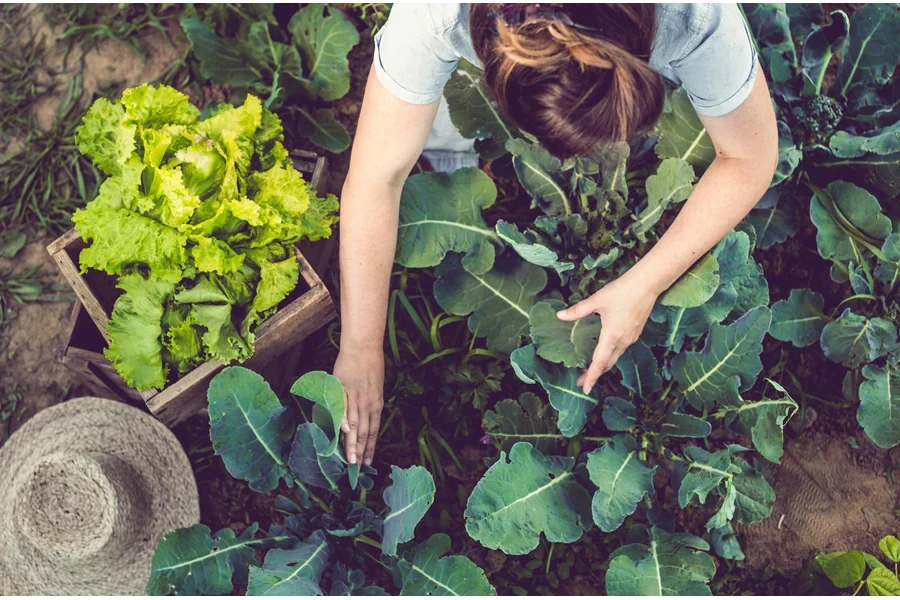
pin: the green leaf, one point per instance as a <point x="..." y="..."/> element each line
<point x="853" y="340"/>
<point x="805" y="18"/>
<point x="888" y="269"/>
<point x="425" y="571"/>
<point x="472" y="109"/>
<point x="800" y="318"/>
<point x="818" y="49"/>
<point x="882" y="142"/>
<point x="310" y="462"/>
<point x="682" y="135"/>
<point x="725" y="543"/>
<point x="844" y="569"/>
<point x="191" y="562"/>
<point x="135" y="331"/>
<point x="498" y="300"/>
<point x="770" y="26"/>
<point x="738" y="269"/>
<point x="618" y="414"/>
<point x="729" y="350"/>
<point x="685" y="426"/>
<point x="526" y="420"/>
<point x="294" y="572"/>
<point x="773" y="218"/>
<point x="848" y="218"/>
<point x="622" y="481"/>
<point x="441" y="213"/>
<point x="673" y="182"/>
<point x="408" y="497"/>
<point x="536" y="169"/>
<point x="706" y="471"/>
<point x="568" y="342"/>
<point x="326" y="391"/>
<point x="696" y="286"/>
<point x="754" y="497"/>
<point x="119" y="240"/>
<point x="106" y="136"/>
<point x="764" y="419"/>
<point x="325" y="37"/>
<point x="530" y="249"/>
<point x="320" y="127"/>
<point x="882" y="582"/>
<point x="873" y="51"/>
<point x="890" y="545"/>
<point x="565" y="396"/>
<point x="525" y="495"/>
<point x="669" y="564"/>
<point x="640" y="372"/>
<point x="669" y="326"/>
<point x="879" y="405"/>
<point x="221" y="59"/>
<point x="789" y="155"/>
<point x="249" y="427"/>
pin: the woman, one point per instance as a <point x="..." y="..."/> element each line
<point x="577" y="77"/>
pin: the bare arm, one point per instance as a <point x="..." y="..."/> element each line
<point x="389" y="137"/>
<point x="746" y="142"/>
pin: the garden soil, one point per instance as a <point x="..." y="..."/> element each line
<point x="830" y="497"/>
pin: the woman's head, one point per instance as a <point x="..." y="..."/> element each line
<point x="576" y="76"/>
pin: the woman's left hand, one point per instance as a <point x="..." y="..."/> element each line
<point x="624" y="306"/>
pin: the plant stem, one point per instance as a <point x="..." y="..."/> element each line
<point x="859" y="587"/>
<point x="368" y="541"/>
<point x="313" y="496"/>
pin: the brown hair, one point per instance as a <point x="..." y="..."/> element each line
<point x="577" y="83"/>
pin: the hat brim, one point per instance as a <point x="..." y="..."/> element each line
<point x="106" y="427"/>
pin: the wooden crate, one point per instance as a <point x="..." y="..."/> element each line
<point x="308" y="308"/>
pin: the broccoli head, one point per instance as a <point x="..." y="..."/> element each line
<point x="815" y="119"/>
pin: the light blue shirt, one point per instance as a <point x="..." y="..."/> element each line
<point x="705" y="48"/>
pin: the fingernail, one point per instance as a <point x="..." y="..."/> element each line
<point x="352" y="459"/>
<point x="561" y="314"/>
<point x="368" y="462"/>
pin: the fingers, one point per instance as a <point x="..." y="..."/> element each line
<point x="576" y="311"/>
<point x="600" y="362"/>
<point x="362" y="435"/>
<point x="350" y="440"/>
<point x="374" y="426"/>
<point x="345" y="424"/>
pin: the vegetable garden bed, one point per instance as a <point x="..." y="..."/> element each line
<point x="305" y="310"/>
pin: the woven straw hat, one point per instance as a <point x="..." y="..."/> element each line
<point x="87" y="487"/>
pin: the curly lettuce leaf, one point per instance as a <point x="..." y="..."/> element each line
<point x="283" y="197"/>
<point x="121" y="240"/>
<point x="152" y="107"/>
<point x="181" y="340"/>
<point x="135" y="331"/>
<point x="106" y="136"/>
<point x="320" y="217"/>
<point x="221" y="339"/>
<point x="215" y="256"/>
<point x="277" y="278"/>
<point x="242" y="121"/>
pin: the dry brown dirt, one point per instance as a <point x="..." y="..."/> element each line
<point x="31" y="341"/>
<point x="830" y="497"/>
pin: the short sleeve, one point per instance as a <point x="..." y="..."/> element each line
<point x="720" y="67"/>
<point x="410" y="59"/>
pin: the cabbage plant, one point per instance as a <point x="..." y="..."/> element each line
<point x="841" y="156"/>
<point x="318" y="540"/>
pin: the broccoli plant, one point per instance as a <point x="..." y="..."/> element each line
<point x="571" y="461"/>
<point x="840" y="154"/>
<point x="323" y="528"/>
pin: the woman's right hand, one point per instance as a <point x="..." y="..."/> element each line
<point x="361" y="372"/>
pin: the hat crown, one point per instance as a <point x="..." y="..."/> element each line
<point x="80" y="506"/>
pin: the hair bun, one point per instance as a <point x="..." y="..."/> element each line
<point x="575" y="88"/>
